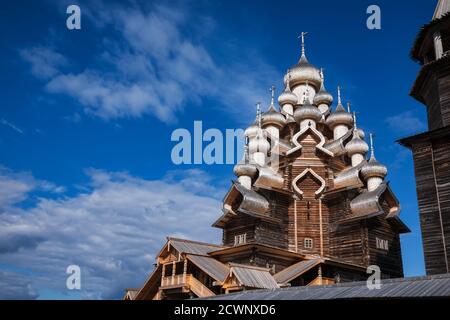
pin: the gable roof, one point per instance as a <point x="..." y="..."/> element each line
<point x="215" y="269"/>
<point x="192" y="247"/>
<point x="296" y="270"/>
<point x="253" y="277"/>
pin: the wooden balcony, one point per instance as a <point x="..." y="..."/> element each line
<point x="187" y="282"/>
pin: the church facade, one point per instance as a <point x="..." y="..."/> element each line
<point x="431" y="149"/>
<point x="310" y="206"/>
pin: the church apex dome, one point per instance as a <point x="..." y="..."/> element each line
<point x="287" y="96"/>
<point x="303" y="71"/>
<point x="340" y="116"/>
<point x="272" y="116"/>
<point x="323" y="96"/>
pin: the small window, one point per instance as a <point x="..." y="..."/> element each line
<point x="382" y="244"/>
<point x="308" y="243"/>
<point x="240" y="239"/>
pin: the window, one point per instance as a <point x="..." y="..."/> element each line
<point x="382" y="244"/>
<point x="240" y="239"/>
<point x="308" y="243"/>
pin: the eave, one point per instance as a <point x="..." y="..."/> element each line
<point x="410" y="141"/>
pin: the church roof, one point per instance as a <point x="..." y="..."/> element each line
<point x="442" y="8"/>
<point x="440" y="17"/>
<point x="253" y="277"/>
<point x="414" y="287"/>
<point x="193" y="247"/>
<point x="215" y="269"/>
<point x="296" y="270"/>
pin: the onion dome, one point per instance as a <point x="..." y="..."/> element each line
<point x="251" y="131"/>
<point x="307" y="111"/>
<point x="287" y="96"/>
<point x="244" y="168"/>
<point x="356" y="145"/>
<point x="361" y="133"/>
<point x="373" y="168"/>
<point x="260" y="143"/>
<point x="272" y="116"/>
<point x="303" y="71"/>
<point x="340" y="115"/>
<point x="323" y="96"/>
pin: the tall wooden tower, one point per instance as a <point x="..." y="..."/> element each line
<point x="431" y="149"/>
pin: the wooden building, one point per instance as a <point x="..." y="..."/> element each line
<point x="307" y="208"/>
<point x="431" y="149"/>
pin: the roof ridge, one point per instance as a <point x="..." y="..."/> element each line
<point x="239" y="265"/>
<point x="169" y="238"/>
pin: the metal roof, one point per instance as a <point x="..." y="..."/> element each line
<point x="295" y="270"/>
<point x="215" y="269"/>
<point x="416" y="287"/>
<point x="442" y="8"/>
<point x="254" y="277"/>
<point x="193" y="247"/>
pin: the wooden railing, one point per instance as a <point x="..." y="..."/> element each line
<point x="187" y="280"/>
<point x="199" y="288"/>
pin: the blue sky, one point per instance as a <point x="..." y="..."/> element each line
<point x="86" y="117"/>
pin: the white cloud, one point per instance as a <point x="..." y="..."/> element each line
<point x="15" y="187"/>
<point x="15" y="286"/>
<point x="45" y="63"/>
<point x="156" y="67"/>
<point x="112" y="231"/>
<point x="406" y="122"/>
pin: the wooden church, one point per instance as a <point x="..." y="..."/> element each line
<point x="431" y="149"/>
<point x="309" y="206"/>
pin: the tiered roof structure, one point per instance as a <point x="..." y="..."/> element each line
<point x="307" y="208"/>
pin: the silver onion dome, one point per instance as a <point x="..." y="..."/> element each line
<point x="373" y="168"/>
<point x="323" y="96"/>
<point x="273" y="117"/>
<point x="361" y="133"/>
<point x="287" y="97"/>
<point x="340" y="116"/>
<point x="356" y="145"/>
<point x="260" y="143"/>
<point x="307" y="112"/>
<point x="245" y="169"/>
<point x="304" y="72"/>
<point x="251" y="131"/>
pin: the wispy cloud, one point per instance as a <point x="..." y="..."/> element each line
<point x="11" y="125"/>
<point x="155" y="67"/>
<point x="405" y="122"/>
<point x="45" y="63"/>
<point x="112" y="230"/>
<point x="16" y="186"/>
